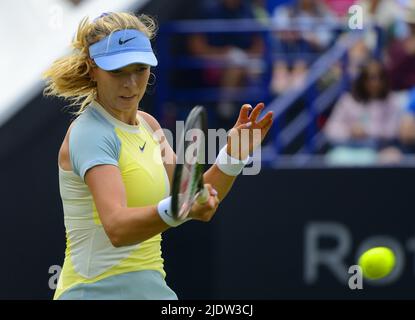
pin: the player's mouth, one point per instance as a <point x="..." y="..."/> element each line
<point x="128" y="98"/>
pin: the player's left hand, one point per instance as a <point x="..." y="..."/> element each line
<point x="249" y="131"/>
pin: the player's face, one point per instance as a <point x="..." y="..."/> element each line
<point x="122" y="88"/>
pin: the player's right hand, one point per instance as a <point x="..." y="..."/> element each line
<point x="205" y="212"/>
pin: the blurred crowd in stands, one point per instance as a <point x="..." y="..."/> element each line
<point x="376" y="110"/>
<point x="374" y="115"/>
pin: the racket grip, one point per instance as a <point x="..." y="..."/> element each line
<point x="203" y="196"/>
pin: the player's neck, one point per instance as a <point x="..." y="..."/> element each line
<point x="129" y="117"/>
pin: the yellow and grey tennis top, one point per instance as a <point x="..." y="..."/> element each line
<point x="97" y="138"/>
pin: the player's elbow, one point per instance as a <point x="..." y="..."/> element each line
<point x="114" y="231"/>
<point x="119" y="237"/>
<point x="120" y="231"/>
<point x="116" y="243"/>
<point x="115" y="238"/>
<point x="119" y="240"/>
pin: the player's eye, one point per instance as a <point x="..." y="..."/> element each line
<point x="142" y="69"/>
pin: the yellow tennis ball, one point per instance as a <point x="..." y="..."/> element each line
<point x="377" y="263"/>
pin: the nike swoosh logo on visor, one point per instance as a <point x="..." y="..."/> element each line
<point x="125" y="41"/>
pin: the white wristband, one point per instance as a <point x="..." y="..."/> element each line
<point x="230" y="165"/>
<point x="164" y="211"/>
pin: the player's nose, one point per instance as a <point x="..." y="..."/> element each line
<point x="131" y="80"/>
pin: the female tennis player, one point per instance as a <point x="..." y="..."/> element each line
<point x="115" y="194"/>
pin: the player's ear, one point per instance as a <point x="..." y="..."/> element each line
<point x="92" y="69"/>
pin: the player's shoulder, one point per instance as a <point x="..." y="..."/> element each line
<point x="150" y="120"/>
<point x="91" y="120"/>
<point x="89" y="125"/>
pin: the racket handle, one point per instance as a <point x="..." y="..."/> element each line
<point x="203" y="196"/>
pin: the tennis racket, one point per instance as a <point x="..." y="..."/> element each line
<point x="188" y="185"/>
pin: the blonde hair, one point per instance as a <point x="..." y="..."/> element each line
<point x="69" y="76"/>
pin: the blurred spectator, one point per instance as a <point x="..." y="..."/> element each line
<point x="370" y="116"/>
<point x="383" y="13"/>
<point x="380" y="13"/>
<point x="235" y="49"/>
<point x="295" y="49"/>
<point x="401" y="56"/>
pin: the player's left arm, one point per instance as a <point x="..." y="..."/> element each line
<point x="247" y="120"/>
<point x="220" y="181"/>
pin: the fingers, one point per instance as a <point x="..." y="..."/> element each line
<point x="213" y="200"/>
<point x="208" y="186"/>
<point x="246" y="125"/>
<point x="266" y="120"/>
<point x="266" y="128"/>
<point x="244" y="113"/>
<point x="249" y="116"/>
<point x="255" y="113"/>
<point x="211" y="190"/>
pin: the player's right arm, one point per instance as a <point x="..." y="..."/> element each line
<point x="123" y="225"/>
<point x="94" y="153"/>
